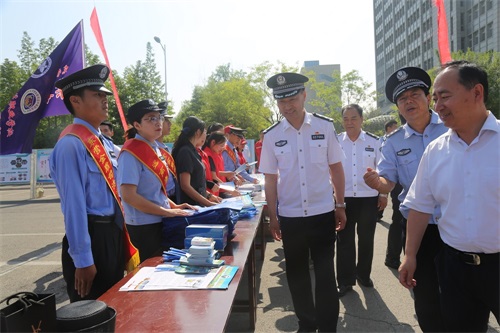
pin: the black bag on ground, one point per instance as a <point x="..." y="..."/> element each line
<point x="174" y="228"/>
<point x="28" y="312"/>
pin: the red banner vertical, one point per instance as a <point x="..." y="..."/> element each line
<point x="442" y="31"/>
<point x="96" y="28"/>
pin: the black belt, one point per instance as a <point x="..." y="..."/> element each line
<point x="100" y="219"/>
<point x="474" y="259"/>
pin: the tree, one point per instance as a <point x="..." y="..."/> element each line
<point x="490" y="62"/>
<point x="331" y="95"/>
<point x="142" y="81"/>
<point x="228" y="98"/>
<point x="11" y="79"/>
<point x="258" y="77"/>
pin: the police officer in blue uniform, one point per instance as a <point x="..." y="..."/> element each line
<point x="92" y="253"/>
<point x="172" y="184"/>
<point x="234" y="135"/>
<point x="408" y="88"/>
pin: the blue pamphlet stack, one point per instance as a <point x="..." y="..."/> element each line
<point x="201" y="253"/>
<point x="218" y="232"/>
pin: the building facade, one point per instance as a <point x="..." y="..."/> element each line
<point x="323" y="73"/>
<point x="406" y="34"/>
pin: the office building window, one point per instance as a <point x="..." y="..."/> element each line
<point x="482" y="34"/>
<point x="489" y="4"/>
<point x="489" y="30"/>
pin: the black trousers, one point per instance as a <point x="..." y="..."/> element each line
<point x="147" y="239"/>
<point x="314" y="237"/>
<point x="108" y="253"/>
<point x="468" y="293"/>
<point x="426" y="292"/>
<point x="395" y="236"/>
<point x="361" y="219"/>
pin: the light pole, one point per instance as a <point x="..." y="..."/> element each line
<point x="164" y="47"/>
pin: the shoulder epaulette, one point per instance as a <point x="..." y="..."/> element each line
<point x="395" y="131"/>
<point x="271" y="127"/>
<point x="322" y="117"/>
<point x="372" y="135"/>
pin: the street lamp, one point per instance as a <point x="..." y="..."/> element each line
<point x="164" y="47"/>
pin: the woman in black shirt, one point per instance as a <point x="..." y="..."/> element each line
<point x="190" y="168"/>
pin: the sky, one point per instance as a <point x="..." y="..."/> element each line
<point x="201" y="35"/>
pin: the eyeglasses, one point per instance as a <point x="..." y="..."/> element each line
<point x="153" y="119"/>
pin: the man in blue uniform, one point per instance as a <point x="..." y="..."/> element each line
<point x="409" y="88"/>
<point x="301" y="159"/>
<point x="172" y="185"/>
<point x="92" y="253"/>
<point x="230" y="156"/>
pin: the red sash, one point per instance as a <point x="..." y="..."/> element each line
<point x="231" y="154"/>
<point x="170" y="161"/>
<point x="98" y="152"/>
<point x="147" y="156"/>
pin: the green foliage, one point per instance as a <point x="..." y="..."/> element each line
<point x="228" y="98"/>
<point x="490" y="62"/>
<point x="11" y="79"/>
<point x="258" y="77"/>
<point x="376" y="125"/>
<point x="331" y="95"/>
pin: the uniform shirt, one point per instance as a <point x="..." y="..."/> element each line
<point x="171" y="179"/>
<point x="116" y="149"/>
<point x="133" y="172"/>
<point x="360" y="154"/>
<point x="230" y="165"/>
<point x="401" y="155"/>
<point x="82" y="189"/>
<point x="465" y="181"/>
<point x="301" y="158"/>
<point x="188" y="160"/>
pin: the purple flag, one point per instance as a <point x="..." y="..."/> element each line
<point x="39" y="98"/>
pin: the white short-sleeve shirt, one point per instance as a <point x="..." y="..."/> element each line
<point x="360" y="154"/>
<point x="301" y="158"/>
<point x="465" y="181"/>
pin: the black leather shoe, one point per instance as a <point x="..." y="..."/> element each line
<point x="365" y="283"/>
<point x="344" y="290"/>
<point x="392" y="263"/>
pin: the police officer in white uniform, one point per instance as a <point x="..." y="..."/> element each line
<point x="300" y="158"/>
<point x="362" y="150"/>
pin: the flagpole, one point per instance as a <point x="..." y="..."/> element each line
<point x="94" y="24"/>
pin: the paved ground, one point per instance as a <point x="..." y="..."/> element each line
<point x="30" y="247"/>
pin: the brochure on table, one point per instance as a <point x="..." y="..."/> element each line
<point x="152" y="278"/>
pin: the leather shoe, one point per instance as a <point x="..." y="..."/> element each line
<point x="365" y="283"/>
<point x="344" y="289"/>
<point x="392" y="263"/>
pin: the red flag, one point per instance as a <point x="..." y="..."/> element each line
<point x="443" y="43"/>
<point x="96" y="28"/>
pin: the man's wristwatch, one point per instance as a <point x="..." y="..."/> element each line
<point x="340" y="205"/>
<point x="382" y="195"/>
